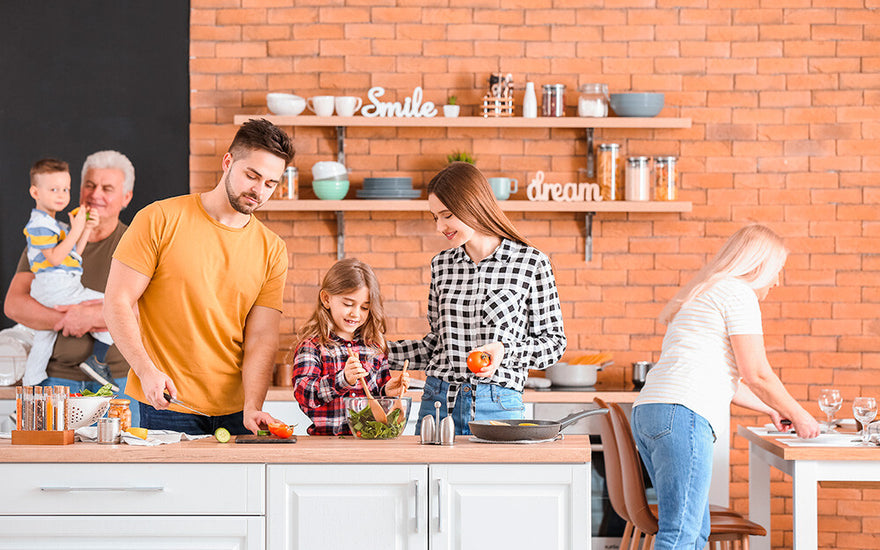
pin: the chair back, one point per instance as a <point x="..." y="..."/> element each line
<point x="637" y="508"/>
<point x="613" y="474"/>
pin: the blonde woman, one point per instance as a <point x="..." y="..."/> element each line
<point x="713" y="354"/>
<point x="490" y="291"/>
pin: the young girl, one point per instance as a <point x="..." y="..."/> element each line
<point x="343" y="341"/>
<point x="490" y="291"/>
<point x="713" y="354"/>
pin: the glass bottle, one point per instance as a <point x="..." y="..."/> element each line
<point x="530" y="101"/>
<point x="664" y="178"/>
<point x="609" y="172"/>
<point x="593" y="101"/>
<point x="638" y="187"/>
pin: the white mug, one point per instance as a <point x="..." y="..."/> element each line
<point x="321" y="105"/>
<point x="348" y="105"/>
<point x="504" y="187"/>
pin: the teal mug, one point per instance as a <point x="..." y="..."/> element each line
<point x="503" y="187"/>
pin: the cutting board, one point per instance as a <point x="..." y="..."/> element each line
<point x="251" y="438"/>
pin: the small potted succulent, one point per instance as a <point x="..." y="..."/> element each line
<point x="461" y="156"/>
<point x="450" y="110"/>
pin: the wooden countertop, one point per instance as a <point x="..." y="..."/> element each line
<point x="572" y="449"/>
<point x="611" y="394"/>
<point x="772" y="444"/>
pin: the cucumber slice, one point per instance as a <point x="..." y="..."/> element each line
<point x="222" y="435"/>
<point x="263" y="432"/>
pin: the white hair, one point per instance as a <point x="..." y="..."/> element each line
<point x="110" y="159"/>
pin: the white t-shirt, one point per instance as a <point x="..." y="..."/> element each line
<point x="697" y="368"/>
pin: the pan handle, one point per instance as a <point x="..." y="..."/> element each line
<point x="574" y="417"/>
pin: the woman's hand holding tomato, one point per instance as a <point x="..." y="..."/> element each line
<point x="483" y="360"/>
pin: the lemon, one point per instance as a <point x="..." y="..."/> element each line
<point x="222" y="435"/>
<point x="138" y="432"/>
<point x="527" y="424"/>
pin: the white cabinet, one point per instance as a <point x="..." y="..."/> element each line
<point x="131" y="533"/>
<point x="445" y="506"/>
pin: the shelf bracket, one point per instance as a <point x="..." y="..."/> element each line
<point x="591" y="155"/>
<point x="340" y="145"/>
<point x="588" y="239"/>
<point x="340" y="234"/>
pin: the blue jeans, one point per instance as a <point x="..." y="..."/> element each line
<point x="77" y="386"/>
<point x="676" y="446"/>
<point x="193" y="424"/>
<point x="493" y="403"/>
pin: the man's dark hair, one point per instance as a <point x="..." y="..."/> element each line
<point x="260" y="134"/>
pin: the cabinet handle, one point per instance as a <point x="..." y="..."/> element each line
<point x="439" y="506"/>
<point x="134" y="489"/>
<point x="418" y="496"/>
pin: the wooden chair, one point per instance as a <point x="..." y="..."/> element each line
<point x="728" y="528"/>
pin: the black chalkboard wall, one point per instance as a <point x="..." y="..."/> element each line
<point x="79" y="77"/>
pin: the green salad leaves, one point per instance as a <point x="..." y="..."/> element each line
<point x="105" y="391"/>
<point x="363" y="424"/>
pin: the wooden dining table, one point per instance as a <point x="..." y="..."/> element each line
<point x="833" y="460"/>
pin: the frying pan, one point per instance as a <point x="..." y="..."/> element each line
<point x="514" y="430"/>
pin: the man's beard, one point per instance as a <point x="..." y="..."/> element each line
<point x="236" y="202"/>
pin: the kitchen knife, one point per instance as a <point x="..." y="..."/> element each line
<point x="180" y="403"/>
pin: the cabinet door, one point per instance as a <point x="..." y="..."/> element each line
<point x="382" y="507"/>
<point x="510" y="506"/>
<point x="131" y="533"/>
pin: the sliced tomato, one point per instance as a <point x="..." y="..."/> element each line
<point x="281" y="430"/>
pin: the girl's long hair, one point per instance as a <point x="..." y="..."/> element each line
<point x="467" y="194"/>
<point x="754" y="254"/>
<point x="347" y="276"/>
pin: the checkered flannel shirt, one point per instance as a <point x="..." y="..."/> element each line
<point x="319" y="380"/>
<point x="509" y="297"/>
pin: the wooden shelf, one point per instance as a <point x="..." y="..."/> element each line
<point x="472" y="122"/>
<point x="276" y="205"/>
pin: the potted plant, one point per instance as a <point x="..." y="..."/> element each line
<point x="450" y="110"/>
<point x="461" y="156"/>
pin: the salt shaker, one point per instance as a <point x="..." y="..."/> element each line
<point x="428" y="430"/>
<point x="447" y="431"/>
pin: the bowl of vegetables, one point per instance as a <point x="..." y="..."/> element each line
<point x="365" y="426"/>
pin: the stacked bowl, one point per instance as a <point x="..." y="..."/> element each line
<point x="388" y="188"/>
<point x="637" y="104"/>
<point x="330" y="180"/>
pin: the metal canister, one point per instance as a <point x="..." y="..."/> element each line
<point x="553" y="100"/>
<point x="108" y="431"/>
<point x="447" y="431"/>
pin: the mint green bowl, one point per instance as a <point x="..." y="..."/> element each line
<point x="330" y="190"/>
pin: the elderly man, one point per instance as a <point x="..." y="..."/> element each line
<point x="107" y="187"/>
<point x="195" y="293"/>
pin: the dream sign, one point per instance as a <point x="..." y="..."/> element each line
<point x="538" y="190"/>
<point x="411" y="106"/>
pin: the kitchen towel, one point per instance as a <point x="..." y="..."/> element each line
<point x="154" y="437"/>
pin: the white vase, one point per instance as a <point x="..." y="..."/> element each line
<point x="450" y="111"/>
<point x="530" y="102"/>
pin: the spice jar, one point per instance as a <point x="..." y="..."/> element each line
<point x="593" y="101"/>
<point x="638" y="187"/>
<point x="119" y="409"/>
<point x="288" y="187"/>
<point x="609" y="172"/>
<point x="664" y="178"/>
<point x="553" y="100"/>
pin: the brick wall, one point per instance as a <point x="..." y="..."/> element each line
<point x="785" y="101"/>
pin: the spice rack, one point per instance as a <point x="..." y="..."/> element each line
<point x="588" y="124"/>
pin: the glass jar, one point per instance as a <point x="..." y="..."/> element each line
<point x="609" y="172"/>
<point x="638" y="183"/>
<point x="593" y="101"/>
<point x="119" y="409"/>
<point x="553" y="100"/>
<point x="664" y="178"/>
<point x="288" y="187"/>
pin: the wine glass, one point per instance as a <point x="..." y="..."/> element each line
<point x="830" y="402"/>
<point x="864" y="410"/>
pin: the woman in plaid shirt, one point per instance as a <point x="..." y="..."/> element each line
<point x="491" y="291"/>
<point x="343" y="341"/>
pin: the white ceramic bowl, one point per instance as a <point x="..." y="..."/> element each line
<point x="329" y="170"/>
<point x="564" y="374"/>
<point x="285" y="104"/>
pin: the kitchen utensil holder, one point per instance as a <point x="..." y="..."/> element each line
<point x="42" y="437"/>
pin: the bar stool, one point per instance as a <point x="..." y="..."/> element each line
<point x="728" y="528"/>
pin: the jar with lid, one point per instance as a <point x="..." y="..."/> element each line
<point x="119" y="409"/>
<point x="664" y="178"/>
<point x="553" y="100"/>
<point x="638" y="184"/>
<point x="288" y="187"/>
<point x="609" y="172"/>
<point x="593" y="101"/>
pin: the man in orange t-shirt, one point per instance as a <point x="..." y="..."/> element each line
<point x="194" y="296"/>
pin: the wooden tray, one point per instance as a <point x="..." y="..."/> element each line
<point x="55" y="437"/>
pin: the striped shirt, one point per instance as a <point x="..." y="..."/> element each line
<point x="44" y="232"/>
<point x="697" y="367"/>
<point x="509" y="297"/>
